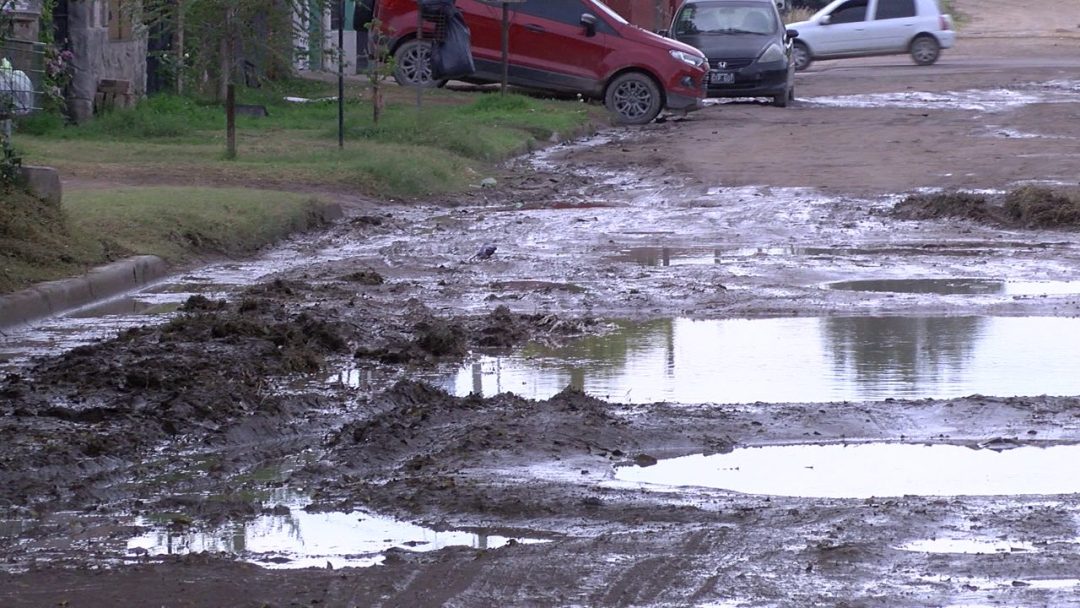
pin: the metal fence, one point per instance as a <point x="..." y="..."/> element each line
<point x="22" y="77"/>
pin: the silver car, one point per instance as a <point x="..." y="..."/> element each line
<point x="861" y="28"/>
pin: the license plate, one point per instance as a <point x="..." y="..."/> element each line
<point x="717" y="77"/>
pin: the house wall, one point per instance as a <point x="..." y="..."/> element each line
<point x="651" y="15"/>
<point x="98" y="57"/>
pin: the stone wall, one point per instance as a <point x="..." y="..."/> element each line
<point x="97" y="57"/>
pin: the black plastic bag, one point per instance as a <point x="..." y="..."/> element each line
<point x="452" y="56"/>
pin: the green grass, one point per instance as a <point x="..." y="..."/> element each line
<point x="36" y="243"/>
<point x="169" y="141"/>
<point x="448" y="121"/>
<point x="39" y="242"/>
<point x="408" y="153"/>
<point x="180" y="224"/>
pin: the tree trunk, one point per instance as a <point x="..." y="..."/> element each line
<point x="226" y="55"/>
<point x="179" y="46"/>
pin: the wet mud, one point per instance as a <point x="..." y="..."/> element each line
<point x="1029" y="207"/>
<point x="318" y="380"/>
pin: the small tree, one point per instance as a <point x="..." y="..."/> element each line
<point x="10" y="161"/>
<point x="380" y="64"/>
<point x="218" y="42"/>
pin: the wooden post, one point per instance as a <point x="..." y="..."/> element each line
<point x="341" y="78"/>
<point x="180" y="59"/>
<point x="230" y="121"/>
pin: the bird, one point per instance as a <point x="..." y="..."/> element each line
<point x="486" y="251"/>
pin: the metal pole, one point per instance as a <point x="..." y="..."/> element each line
<point x="505" y="46"/>
<point x="341" y="78"/>
<point x="419" y="52"/>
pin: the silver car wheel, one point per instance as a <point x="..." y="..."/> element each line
<point x="800" y="55"/>
<point x="925" y="50"/>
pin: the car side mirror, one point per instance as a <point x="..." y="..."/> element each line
<point x="589" y="22"/>
<point x="664" y="33"/>
<point x="825" y="20"/>
<point x="792" y="34"/>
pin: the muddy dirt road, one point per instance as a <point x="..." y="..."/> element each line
<point x="150" y="469"/>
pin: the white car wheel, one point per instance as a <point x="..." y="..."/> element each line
<point x="925" y="50"/>
<point x="801" y="56"/>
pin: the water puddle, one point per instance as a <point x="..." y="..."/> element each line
<point x="1009" y="133"/>
<point x="298" y="539"/>
<point x="793" y="360"/>
<point x="980" y="100"/>
<point x="869" y="469"/>
<point x="988" y="584"/>
<point x="697" y="256"/>
<point x="967" y="546"/>
<point x="961" y="287"/>
<point x="129" y="305"/>
<point x="691" y="256"/>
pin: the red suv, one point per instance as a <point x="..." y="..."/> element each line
<point x="565" y="46"/>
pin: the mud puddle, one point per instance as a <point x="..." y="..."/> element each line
<point x="695" y="256"/>
<point x="285" y="537"/>
<point x="968" y="546"/>
<point x="793" y="360"/>
<point x="869" y="470"/>
<point x="961" y="287"/>
<point x="294" y="538"/>
<point x="979" y="100"/>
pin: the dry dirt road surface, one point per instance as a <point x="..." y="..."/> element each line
<point x="181" y="422"/>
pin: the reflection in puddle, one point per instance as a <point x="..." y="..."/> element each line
<point x="967" y="546"/>
<point x="961" y="286"/>
<point x="935" y="286"/>
<point x="128" y="305"/>
<point x="987" y="584"/>
<point x="689" y="256"/>
<point x="304" y="540"/>
<point x="794" y="360"/>
<point x="871" y="469"/>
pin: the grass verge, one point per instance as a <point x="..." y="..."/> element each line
<point x="443" y="146"/>
<point x="449" y="143"/>
<point x="40" y="242"/>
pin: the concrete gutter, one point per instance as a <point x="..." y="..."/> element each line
<point x="56" y="297"/>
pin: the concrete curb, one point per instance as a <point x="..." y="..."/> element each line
<point x="55" y="297"/>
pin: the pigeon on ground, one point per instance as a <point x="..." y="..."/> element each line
<point x="485" y="252"/>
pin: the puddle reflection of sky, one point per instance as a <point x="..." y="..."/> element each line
<point x="303" y="540"/>
<point x="869" y="470"/>
<point x="795" y="360"/>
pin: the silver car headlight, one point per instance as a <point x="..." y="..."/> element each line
<point x="774" y="52"/>
<point x="690" y="58"/>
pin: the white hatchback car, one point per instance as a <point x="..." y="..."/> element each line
<point x="860" y="28"/>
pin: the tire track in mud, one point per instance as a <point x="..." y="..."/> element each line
<point x="453" y="580"/>
<point x="647" y="580"/>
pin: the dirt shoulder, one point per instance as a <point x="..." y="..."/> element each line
<point x="184" y="419"/>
